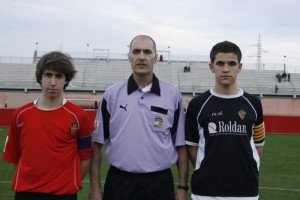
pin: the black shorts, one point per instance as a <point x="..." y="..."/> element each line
<point x="121" y="185"/>
<point x="40" y="196"/>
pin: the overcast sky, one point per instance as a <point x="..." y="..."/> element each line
<point x="188" y="27"/>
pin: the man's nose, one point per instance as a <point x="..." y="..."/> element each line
<point x="142" y="56"/>
<point x="53" y="80"/>
<point x="226" y="67"/>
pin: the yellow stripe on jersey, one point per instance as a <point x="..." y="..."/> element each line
<point x="259" y="133"/>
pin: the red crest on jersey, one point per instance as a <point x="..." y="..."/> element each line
<point x="74" y="129"/>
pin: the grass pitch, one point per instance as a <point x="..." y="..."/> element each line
<point x="279" y="172"/>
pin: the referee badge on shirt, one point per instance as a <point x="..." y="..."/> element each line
<point x="242" y="114"/>
<point x="158" y="122"/>
<point x="74" y="129"/>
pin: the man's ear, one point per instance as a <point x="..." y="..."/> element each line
<point x="211" y="67"/>
<point x="240" y="67"/>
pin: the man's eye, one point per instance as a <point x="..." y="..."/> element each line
<point x="232" y="63"/>
<point x="135" y="51"/>
<point x="59" y="76"/>
<point x="47" y="75"/>
<point x="220" y="63"/>
<point x="147" y="52"/>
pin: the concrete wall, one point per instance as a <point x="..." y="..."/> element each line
<point x="17" y="99"/>
<point x="281" y="106"/>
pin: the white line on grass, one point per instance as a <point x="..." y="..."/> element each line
<point x="283" y="189"/>
<point x="268" y="188"/>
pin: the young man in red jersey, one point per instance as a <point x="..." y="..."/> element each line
<point x="49" y="140"/>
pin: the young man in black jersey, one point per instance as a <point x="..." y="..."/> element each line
<point x="225" y="133"/>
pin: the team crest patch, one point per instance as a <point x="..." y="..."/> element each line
<point x="242" y="114"/>
<point x="158" y="122"/>
<point x="74" y="129"/>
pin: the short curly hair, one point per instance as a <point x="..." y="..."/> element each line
<point x="56" y="61"/>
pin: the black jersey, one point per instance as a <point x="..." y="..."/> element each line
<point x="226" y="130"/>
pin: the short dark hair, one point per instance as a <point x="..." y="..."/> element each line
<point x="225" y="47"/>
<point x="56" y="61"/>
<point x="146" y="36"/>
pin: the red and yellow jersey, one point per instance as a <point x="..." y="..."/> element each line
<point x="47" y="147"/>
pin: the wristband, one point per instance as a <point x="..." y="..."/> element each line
<point x="186" y="188"/>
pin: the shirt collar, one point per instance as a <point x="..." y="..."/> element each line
<point x="132" y="86"/>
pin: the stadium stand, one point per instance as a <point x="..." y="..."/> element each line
<point x="17" y="76"/>
<point x="96" y="75"/>
<point x="281" y="109"/>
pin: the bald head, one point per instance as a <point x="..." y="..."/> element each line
<point x="145" y="37"/>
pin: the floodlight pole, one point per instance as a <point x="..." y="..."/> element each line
<point x="87" y="51"/>
<point x="284" y="66"/>
<point x="127" y="53"/>
<point x="169" y="54"/>
<point x="35" y="52"/>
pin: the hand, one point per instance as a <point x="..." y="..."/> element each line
<point x="181" y="194"/>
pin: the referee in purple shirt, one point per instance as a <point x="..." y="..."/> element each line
<point x="141" y="122"/>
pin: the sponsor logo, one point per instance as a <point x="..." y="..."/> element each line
<point x="212" y="128"/>
<point x="216" y="114"/>
<point x="74" y="129"/>
<point x="232" y="127"/>
<point x="20" y="125"/>
<point x="124" y="107"/>
<point x="158" y="122"/>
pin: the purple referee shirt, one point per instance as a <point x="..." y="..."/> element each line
<point x="141" y="130"/>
